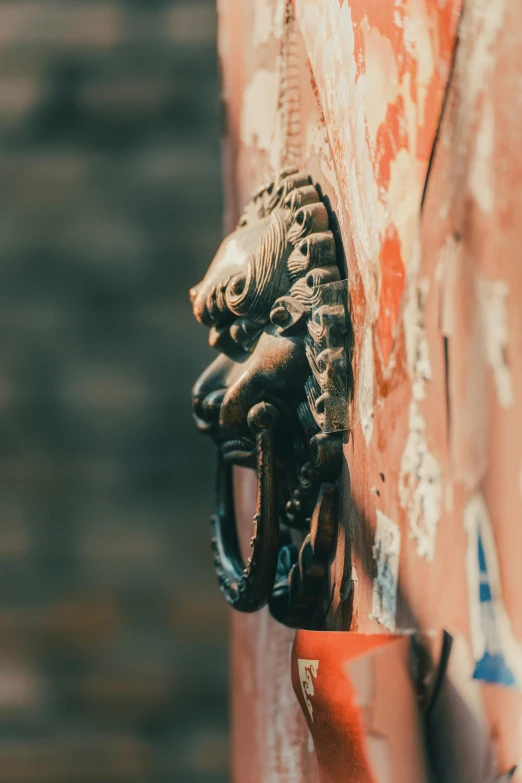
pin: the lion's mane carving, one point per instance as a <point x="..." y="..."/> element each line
<point x="280" y="283"/>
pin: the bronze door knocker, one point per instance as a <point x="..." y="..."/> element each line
<point x="276" y="397"/>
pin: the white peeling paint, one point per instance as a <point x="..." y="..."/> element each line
<point x="417" y="353"/>
<point x="380" y="61"/>
<point x="402" y="204"/>
<point x="418" y="42"/>
<point x="420" y="477"/>
<point x="307" y="674"/>
<point x="482" y="170"/>
<point x="316" y="140"/>
<point x="280" y="19"/>
<point x="386" y="551"/>
<point x="355" y="98"/>
<point x="259" y="115"/>
<point x="420" y="486"/>
<point x="493" y="295"/>
<point x="490" y="625"/>
<point x="269" y="16"/>
<point x="329" y="38"/>
<point x="263" y="22"/>
<point x="365" y="386"/>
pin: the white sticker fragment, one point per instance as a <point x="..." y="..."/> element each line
<point x="365" y="386"/>
<point x="496" y="651"/>
<point x="420" y="486"/>
<point x="493" y="295"/>
<point x="417" y="354"/>
<point x="386" y="551"/>
<point x="307" y="674"/>
<point x="420" y="477"/>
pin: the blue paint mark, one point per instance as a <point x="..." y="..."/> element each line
<point x="484" y="589"/>
<point x="492" y="667"/>
<point x="482" y="558"/>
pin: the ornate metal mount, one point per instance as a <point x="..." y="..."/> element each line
<point x="276" y="397"/>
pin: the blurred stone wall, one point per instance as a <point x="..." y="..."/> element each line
<point x="112" y="629"/>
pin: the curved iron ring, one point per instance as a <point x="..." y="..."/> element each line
<point x="248" y="586"/>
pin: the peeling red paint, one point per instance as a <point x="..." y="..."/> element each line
<point x="392" y="288"/>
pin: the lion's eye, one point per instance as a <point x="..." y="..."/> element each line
<point x="237" y="285"/>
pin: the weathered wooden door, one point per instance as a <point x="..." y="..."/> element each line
<point x="405" y="117"/>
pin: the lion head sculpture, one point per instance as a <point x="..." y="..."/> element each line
<point x="276" y="396"/>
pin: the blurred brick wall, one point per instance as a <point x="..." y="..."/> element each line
<point x="112" y="629"/>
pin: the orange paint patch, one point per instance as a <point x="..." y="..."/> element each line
<point x="358" y="698"/>
<point x="391" y="137"/>
<point x="392" y="287"/>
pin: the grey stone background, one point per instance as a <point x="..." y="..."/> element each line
<point x="112" y="629"/>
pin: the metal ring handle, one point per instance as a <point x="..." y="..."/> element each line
<point x="248" y="587"/>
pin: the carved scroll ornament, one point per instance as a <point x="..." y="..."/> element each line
<point x="276" y="397"/>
